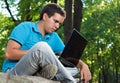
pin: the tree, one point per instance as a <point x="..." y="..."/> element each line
<point x="73" y="17"/>
<point x="8" y="8"/>
<point x="77" y="19"/>
<point x="100" y="26"/>
<point x="68" y="20"/>
<point x="54" y="1"/>
<point x="5" y="24"/>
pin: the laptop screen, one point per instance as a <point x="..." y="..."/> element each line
<point x="74" y="47"/>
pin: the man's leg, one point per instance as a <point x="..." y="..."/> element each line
<point x="38" y="56"/>
<point x="73" y="71"/>
<point x="48" y="72"/>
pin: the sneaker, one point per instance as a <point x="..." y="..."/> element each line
<point x="48" y="71"/>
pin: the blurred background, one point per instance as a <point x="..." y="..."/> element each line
<point x="97" y="20"/>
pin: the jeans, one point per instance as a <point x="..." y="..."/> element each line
<point x="37" y="57"/>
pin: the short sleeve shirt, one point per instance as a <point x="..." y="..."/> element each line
<point x="27" y="34"/>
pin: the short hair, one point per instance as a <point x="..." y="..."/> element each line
<point x="51" y="9"/>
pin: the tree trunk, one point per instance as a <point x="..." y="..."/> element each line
<point x="77" y="14"/>
<point x="68" y="20"/>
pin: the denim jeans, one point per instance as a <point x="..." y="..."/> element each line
<point x="38" y="56"/>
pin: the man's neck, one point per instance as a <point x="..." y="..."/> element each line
<point x="41" y="27"/>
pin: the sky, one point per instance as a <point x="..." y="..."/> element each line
<point x="5" y="11"/>
<point x="2" y="10"/>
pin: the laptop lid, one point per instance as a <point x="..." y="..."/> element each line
<point x="74" y="47"/>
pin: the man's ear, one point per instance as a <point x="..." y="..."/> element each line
<point x="45" y="16"/>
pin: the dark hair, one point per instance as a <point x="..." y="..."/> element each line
<point x="51" y="9"/>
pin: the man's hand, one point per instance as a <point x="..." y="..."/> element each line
<point x="85" y="72"/>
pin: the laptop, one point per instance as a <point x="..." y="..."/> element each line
<point x="73" y="49"/>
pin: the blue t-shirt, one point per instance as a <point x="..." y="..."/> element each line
<point x="27" y="34"/>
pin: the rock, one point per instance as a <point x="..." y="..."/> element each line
<point x="4" y="78"/>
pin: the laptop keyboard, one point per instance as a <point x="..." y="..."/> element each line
<point x="66" y="63"/>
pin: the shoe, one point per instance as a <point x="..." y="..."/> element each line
<point x="48" y="71"/>
<point x="78" y="80"/>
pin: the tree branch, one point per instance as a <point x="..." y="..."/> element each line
<point x="7" y="6"/>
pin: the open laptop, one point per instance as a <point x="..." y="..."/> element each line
<point x="73" y="49"/>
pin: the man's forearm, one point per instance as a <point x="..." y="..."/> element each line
<point x="15" y="54"/>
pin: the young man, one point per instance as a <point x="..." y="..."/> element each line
<point x="33" y="45"/>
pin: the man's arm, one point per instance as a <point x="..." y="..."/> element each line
<point x="13" y="51"/>
<point x="85" y="72"/>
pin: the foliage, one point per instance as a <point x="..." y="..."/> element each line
<point x="102" y="20"/>
<point x="5" y="24"/>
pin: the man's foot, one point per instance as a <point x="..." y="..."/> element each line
<point x="48" y="71"/>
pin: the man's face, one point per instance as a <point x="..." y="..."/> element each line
<point x="52" y="23"/>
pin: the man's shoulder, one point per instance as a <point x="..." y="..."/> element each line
<point x="27" y="23"/>
<point x="54" y="34"/>
<point x="23" y="27"/>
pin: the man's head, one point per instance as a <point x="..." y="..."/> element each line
<point x="51" y="17"/>
<point x="51" y="9"/>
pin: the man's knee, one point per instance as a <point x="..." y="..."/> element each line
<point x="42" y="45"/>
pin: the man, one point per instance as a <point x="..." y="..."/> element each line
<point x="32" y="47"/>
